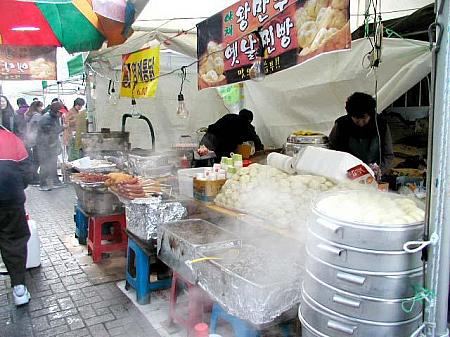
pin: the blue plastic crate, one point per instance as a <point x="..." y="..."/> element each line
<point x="81" y="225"/>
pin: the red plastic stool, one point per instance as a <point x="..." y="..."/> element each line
<point x="116" y="241"/>
<point x="198" y="301"/>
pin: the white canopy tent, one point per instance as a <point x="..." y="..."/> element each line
<point x="308" y="96"/>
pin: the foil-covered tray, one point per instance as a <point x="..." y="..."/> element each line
<point x="181" y="242"/>
<point x="145" y="214"/>
<point x="252" y="283"/>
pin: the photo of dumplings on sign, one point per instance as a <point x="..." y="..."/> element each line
<point x="211" y="66"/>
<point x="323" y="25"/>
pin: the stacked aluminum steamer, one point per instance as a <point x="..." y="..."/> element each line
<point x="358" y="274"/>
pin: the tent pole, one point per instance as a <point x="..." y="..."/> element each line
<point x="437" y="275"/>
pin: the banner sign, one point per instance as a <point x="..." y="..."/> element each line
<point x="291" y="31"/>
<point x="27" y="63"/>
<point x="140" y="72"/>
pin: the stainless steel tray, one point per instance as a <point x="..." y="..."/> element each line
<point x="251" y="283"/>
<point x="361" y="259"/>
<point x="375" y="284"/>
<point x="182" y="241"/>
<point x="362" y="307"/>
<point x="317" y="139"/>
<point x="95" y="199"/>
<point x="330" y="323"/>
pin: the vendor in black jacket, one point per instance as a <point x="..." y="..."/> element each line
<point x="14" y="232"/>
<point x="228" y="132"/>
<point x="356" y="133"/>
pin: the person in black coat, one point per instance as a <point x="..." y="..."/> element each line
<point x="14" y="231"/>
<point x="228" y="132"/>
<point x="363" y="133"/>
<point x="7" y="116"/>
<point x="49" y="146"/>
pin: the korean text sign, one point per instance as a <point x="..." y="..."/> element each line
<point x="27" y="63"/>
<point x="140" y="72"/>
<point x="291" y="31"/>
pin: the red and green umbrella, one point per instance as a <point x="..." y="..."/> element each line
<point x="72" y="24"/>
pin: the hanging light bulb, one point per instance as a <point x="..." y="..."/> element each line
<point x="93" y="92"/>
<point x="92" y="81"/>
<point x="257" y="72"/>
<point x="113" y="97"/>
<point x="134" y="110"/>
<point x="182" y="111"/>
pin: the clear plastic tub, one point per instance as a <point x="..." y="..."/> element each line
<point x="185" y="181"/>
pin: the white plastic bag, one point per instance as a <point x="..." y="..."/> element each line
<point x="327" y="163"/>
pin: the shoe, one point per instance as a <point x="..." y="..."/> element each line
<point x="44" y="188"/>
<point x="21" y="295"/>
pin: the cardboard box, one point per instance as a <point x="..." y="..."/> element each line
<point x="207" y="190"/>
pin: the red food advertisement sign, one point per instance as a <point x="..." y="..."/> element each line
<point x="291" y="31"/>
<point x="27" y="63"/>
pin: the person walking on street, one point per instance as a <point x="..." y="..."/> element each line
<point x="6" y="113"/>
<point x="32" y="117"/>
<point x="49" y="146"/>
<point x="14" y="231"/>
<point x="74" y="122"/>
<point x="21" y="124"/>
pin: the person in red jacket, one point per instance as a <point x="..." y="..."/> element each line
<point x="14" y="231"/>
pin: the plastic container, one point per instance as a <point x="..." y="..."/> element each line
<point x="201" y="330"/>
<point x="34" y="246"/>
<point x="186" y="180"/>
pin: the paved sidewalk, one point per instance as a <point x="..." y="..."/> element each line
<point x="65" y="302"/>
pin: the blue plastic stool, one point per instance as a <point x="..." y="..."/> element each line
<point x="240" y="327"/>
<point x="81" y="225"/>
<point x="139" y="258"/>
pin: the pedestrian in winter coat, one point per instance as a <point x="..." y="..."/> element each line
<point x="6" y="113"/>
<point x="49" y="146"/>
<point x="14" y="231"/>
<point x="33" y="117"/>
<point x="21" y="124"/>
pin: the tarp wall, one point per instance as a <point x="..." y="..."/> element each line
<point x="204" y="106"/>
<point x="309" y="96"/>
<point x="312" y="95"/>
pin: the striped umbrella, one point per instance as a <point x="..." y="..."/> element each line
<point x="72" y="24"/>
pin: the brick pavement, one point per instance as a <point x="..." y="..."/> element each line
<point x="64" y="301"/>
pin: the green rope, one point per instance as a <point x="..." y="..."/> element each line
<point x="366" y="24"/>
<point x="390" y="32"/>
<point x="420" y="295"/>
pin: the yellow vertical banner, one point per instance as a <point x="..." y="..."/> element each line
<point x="140" y="72"/>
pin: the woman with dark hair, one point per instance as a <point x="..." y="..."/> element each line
<point x="363" y="133"/>
<point x="6" y="113"/>
<point x="32" y="118"/>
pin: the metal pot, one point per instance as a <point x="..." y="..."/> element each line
<point x="98" y="201"/>
<point x="361" y="259"/>
<point x="308" y="330"/>
<point x="376" y="237"/>
<point x="362" y="307"/>
<point x="330" y="323"/>
<point x="295" y="143"/>
<point x="373" y="284"/>
<point x="105" y="141"/>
